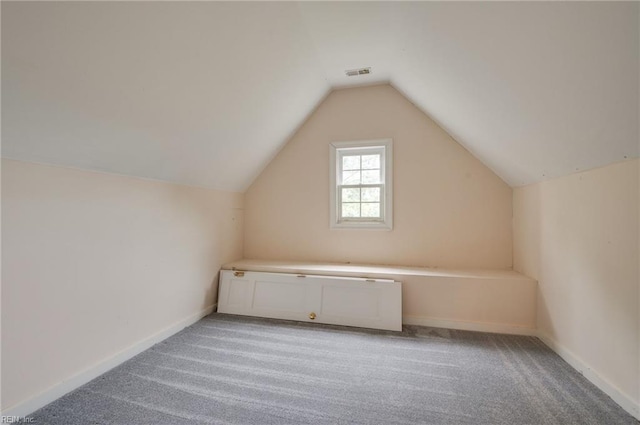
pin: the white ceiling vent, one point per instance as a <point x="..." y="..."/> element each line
<point x="360" y="71"/>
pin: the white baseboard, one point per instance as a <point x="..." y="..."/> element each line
<point x="31" y="405"/>
<point x="626" y="402"/>
<point x="53" y="393"/>
<point x="469" y="326"/>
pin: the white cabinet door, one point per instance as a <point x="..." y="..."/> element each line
<point x="335" y="300"/>
<point x="277" y="295"/>
<point x="361" y="302"/>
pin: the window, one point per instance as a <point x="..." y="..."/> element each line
<point x="361" y="184"/>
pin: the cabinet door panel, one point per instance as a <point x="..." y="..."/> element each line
<point x="240" y="293"/>
<point x="350" y="301"/>
<point x="358" y="302"/>
<point x="280" y="296"/>
<point x="235" y="293"/>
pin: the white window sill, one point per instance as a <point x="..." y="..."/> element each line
<point x="362" y="225"/>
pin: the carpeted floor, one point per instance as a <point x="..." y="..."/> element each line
<point x="238" y="370"/>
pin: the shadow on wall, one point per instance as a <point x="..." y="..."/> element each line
<point x="211" y="295"/>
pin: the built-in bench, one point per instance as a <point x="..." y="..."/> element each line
<point x="501" y="301"/>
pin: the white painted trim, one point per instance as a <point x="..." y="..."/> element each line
<point x="469" y="326"/>
<point x="58" y="390"/>
<point x="625" y="401"/>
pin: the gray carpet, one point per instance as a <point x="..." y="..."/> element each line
<point x="237" y="370"/>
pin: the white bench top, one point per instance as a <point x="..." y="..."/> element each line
<point x="367" y="270"/>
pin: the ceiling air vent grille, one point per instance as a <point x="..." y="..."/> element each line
<point x="360" y="71"/>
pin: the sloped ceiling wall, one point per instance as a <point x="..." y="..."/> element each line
<point x="195" y="92"/>
<point x="207" y="93"/>
<point x="449" y="210"/>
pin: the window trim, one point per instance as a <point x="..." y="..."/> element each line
<point x="387" y="199"/>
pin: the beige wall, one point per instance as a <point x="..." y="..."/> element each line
<point x="93" y="263"/>
<point x="578" y="236"/>
<point x="449" y="209"/>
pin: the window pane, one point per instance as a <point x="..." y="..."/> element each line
<point x="351" y="194"/>
<point x="371" y="177"/>
<point x="351" y="162"/>
<point x="370" y="194"/>
<point x="351" y="177"/>
<point x="350" y="210"/>
<point x="371" y="210"/>
<point x="370" y="162"/>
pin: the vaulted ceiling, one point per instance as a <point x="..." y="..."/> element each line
<point x="207" y="93"/>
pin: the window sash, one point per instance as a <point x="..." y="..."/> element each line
<point x="361" y="219"/>
<point x="359" y="151"/>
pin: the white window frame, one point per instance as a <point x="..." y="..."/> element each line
<point x="386" y="223"/>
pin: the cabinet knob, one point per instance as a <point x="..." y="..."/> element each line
<point x="312" y="315"/>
